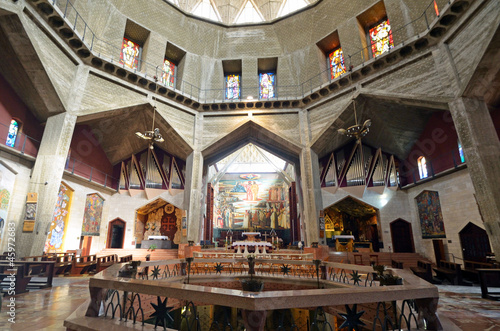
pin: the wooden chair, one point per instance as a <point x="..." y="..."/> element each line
<point x="358" y="259"/>
<point x="373" y="259"/>
<point x="144" y="273"/>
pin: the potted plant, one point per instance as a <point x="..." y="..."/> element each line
<point x="386" y="279"/>
<point x="152" y="248"/>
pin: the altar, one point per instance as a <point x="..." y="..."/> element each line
<point x="251" y="245"/>
<point x="160" y="244"/>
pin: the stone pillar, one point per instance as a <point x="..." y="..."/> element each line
<point x="311" y="186"/>
<point x="481" y="147"/>
<point x="194" y="190"/>
<point x="45" y="180"/>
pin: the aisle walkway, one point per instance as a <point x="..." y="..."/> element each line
<point x="460" y="307"/>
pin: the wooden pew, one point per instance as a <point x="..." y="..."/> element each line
<point x="450" y="271"/>
<point x="470" y="269"/>
<point x="105" y="261"/>
<point x="423" y="270"/>
<point x="144" y="273"/>
<point x="126" y="258"/>
<point x="7" y="271"/>
<point x="84" y="264"/>
<point x="489" y="278"/>
<point x="397" y="264"/>
<point x="24" y="273"/>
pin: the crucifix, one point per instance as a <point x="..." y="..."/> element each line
<point x="265" y="236"/>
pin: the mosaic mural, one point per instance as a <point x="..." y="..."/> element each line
<point x="251" y="201"/>
<point x="92" y="216"/>
<point x="164" y="221"/>
<point x="55" y="238"/>
<point x="431" y="217"/>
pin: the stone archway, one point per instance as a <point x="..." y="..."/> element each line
<point x="475" y="243"/>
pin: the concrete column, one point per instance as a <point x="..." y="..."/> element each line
<point x="194" y="190"/>
<point x="45" y="180"/>
<point x="311" y="186"/>
<point x="481" y="146"/>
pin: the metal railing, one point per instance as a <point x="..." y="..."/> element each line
<point x="79" y="168"/>
<point x="108" y="51"/>
<point x="435" y="166"/>
<point x="24" y="144"/>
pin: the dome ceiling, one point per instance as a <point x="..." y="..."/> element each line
<point x="233" y="12"/>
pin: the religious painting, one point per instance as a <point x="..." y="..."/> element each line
<point x="7" y="179"/>
<point x="381" y="38"/>
<point x="163" y="221"/>
<point x="57" y="231"/>
<point x="168" y="73"/>
<point x="92" y="215"/>
<point x="233" y="87"/>
<point x="431" y="217"/>
<point x="336" y="63"/>
<point x="130" y="54"/>
<point x="251" y="201"/>
<point x="267" y="83"/>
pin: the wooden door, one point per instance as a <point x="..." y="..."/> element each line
<point x="85" y="243"/>
<point x="475" y="243"/>
<point x="402" y="236"/>
<point x="116" y="234"/>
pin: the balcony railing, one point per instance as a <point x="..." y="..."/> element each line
<point x="24" y="144"/>
<point x="81" y="169"/>
<point x="110" y="52"/>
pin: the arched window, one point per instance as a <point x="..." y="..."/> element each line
<point x="461" y="152"/>
<point x="13" y="131"/>
<point x="422" y="167"/>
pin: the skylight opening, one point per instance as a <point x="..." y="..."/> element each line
<point x="206" y="9"/>
<point x="289" y="6"/>
<point x="249" y="14"/>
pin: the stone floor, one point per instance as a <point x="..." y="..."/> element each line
<point x="460" y="307"/>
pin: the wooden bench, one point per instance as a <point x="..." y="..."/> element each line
<point x="423" y="270"/>
<point x="28" y="274"/>
<point x="397" y="264"/>
<point x="449" y="271"/>
<point x="7" y="272"/>
<point x="489" y="278"/>
<point x="106" y="261"/>
<point x="470" y="269"/>
<point x="126" y="258"/>
<point x="84" y="264"/>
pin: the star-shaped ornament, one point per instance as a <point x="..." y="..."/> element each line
<point x="351" y="318"/>
<point x="156" y="272"/>
<point x="285" y="269"/>
<point x="218" y="268"/>
<point x="355" y="277"/>
<point x="161" y="313"/>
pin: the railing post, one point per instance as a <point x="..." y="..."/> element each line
<point x="66" y="8"/>
<point x="105" y="179"/>
<point x="76" y="19"/>
<point x="92" y="42"/>
<point x="413" y="175"/>
<point x="90" y="179"/>
<point x="453" y="157"/>
<point x="426" y="21"/>
<point x="432" y="168"/>
<point x="24" y="144"/>
<point x="73" y="170"/>
<point x="84" y="31"/>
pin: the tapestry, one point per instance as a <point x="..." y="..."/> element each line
<point x="7" y="179"/>
<point x="251" y="201"/>
<point x="431" y="217"/>
<point x="57" y="231"/>
<point x="164" y="221"/>
<point x="91" y="225"/>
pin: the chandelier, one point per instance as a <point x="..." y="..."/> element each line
<point x="357" y="130"/>
<point x="154" y="135"/>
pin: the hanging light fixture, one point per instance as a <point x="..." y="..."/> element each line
<point x="153" y="135"/>
<point x="357" y="130"/>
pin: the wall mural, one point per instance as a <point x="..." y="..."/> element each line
<point x="431" y="217"/>
<point x="7" y="179"/>
<point x="251" y="201"/>
<point x="55" y="238"/>
<point x="164" y="221"/>
<point x="91" y="225"/>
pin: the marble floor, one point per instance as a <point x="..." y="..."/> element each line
<point x="460" y="307"/>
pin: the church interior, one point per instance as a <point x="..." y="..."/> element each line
<point x="182" y="153"/>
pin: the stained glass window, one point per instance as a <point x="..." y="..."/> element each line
<point x="461" y="152"/>
<point x="422" y="167"/>
<point x="381" y="38"/>
<point x="12" y="135"/>
<point x="336" y="63"/>
<point x="130" y="54"/>
<point x="233" y="87"/>
<point x="267" y="85"/>
<point x="168" y="73"/>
